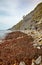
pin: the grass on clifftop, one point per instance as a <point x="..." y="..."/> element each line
<point x="38" y="12"/>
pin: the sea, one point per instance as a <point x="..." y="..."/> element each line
<point x="3" y="33"/>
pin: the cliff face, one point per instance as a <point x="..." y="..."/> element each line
<point x="30" y="20"/>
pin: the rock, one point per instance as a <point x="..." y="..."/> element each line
<point x="22" y="63"/>
<point x="38" y="47"/>
<point x="38" y="60"/>
<point x="32" y="62"/>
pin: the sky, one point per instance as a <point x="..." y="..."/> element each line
<point x="12" y="11"/>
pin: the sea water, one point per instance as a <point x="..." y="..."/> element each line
<point x="3" y="33"/>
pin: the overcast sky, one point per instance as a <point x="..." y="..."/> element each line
<point x="12" y="11"/>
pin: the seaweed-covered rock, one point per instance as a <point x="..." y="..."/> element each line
<point x="17" y="49"/>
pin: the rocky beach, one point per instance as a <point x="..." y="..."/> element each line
<point x="18" y="47"/>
